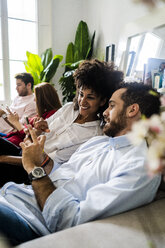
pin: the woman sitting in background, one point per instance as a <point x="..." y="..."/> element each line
<point x="80" y="120"/>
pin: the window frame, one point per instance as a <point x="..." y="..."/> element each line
<point x="5" y="48"/>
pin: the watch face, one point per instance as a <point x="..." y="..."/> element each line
<point x="38" y="172"/>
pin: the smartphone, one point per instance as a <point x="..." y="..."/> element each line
<point x="27" y="120"/>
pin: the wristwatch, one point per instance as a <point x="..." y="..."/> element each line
<point x="4" y="115"/>
<point x="36" y="173"/>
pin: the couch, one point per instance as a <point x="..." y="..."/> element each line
<point x="143" y="227"/>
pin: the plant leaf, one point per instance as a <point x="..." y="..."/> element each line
<point x="76" y="53"/>
<point x="73" y="65"/>
<point x="34" y="62"/>
<point x="46" y="57"/>
<point x="34" y="66"/>
<point x="51" y="68"/>
<point x="70" y="53"/>
<point x="82" y="41"/>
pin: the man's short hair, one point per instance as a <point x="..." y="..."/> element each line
<point x="145" y="96"/>
<point x="26" y="78"/>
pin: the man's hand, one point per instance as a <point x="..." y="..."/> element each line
<point x="33" y="156"/>
<point x="32" y="151"/>
<point x="42" y="125"/>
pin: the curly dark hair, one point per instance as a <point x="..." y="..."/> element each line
<point x="100" y="76"/>
<point x="145" y="96"/>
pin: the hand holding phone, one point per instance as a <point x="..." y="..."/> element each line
<point x="28" y="136"/>
<point x="8" y="110"/>
<point x="27" y="120"/>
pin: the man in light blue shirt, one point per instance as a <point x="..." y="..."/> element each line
<point x="105" y="176"/>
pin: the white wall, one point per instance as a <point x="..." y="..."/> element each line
<point x="66" y="15"/>
<point x="44" y="25"/>
<point x="110" y="18"/>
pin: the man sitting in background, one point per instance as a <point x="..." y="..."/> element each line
<point x="24" y="104"/>
<point x="105" y="176"/>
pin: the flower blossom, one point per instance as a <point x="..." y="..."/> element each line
<point x="153" y="130"/>
<point x="139" y="132"/>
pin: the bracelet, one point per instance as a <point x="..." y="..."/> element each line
<point x="46" y="161"/>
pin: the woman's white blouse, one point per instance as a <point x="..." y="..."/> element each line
<point x="65" y="136"/>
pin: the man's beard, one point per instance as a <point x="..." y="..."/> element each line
<point x="23" y="92"/>
<point x="116" y="126"/>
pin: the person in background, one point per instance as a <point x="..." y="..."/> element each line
<point x="23" y="104"/>
<point x="106" y="176"/>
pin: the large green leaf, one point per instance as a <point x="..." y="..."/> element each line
<point x="46" y="57"/>
<point x="78" y="55"/>
<point x="42" y="72"/>
<point x="34" y="66"/>
<point x="34" y="62"/>
<point x="82" y="41"/>
<point x="50" y="70"/>
<point x="35" y="76"/>
<point x="70" y="53"/>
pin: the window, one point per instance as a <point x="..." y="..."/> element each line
<point x="150" y="49"/>
<point x="141" y="48"/>
<point x="18" y="34"/>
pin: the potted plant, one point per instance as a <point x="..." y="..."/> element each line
<point x="43" y="67"/>
<point x="76" y="52"/>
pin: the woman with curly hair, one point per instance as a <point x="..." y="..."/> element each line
<point x="80" y="120"/>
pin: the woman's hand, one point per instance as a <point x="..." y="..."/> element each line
<point x="32" y="151"/>
<point x="13" y="118"/>
<point x="41" y="125"/>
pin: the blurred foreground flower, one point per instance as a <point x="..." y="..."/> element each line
<point x="153" y="130"/>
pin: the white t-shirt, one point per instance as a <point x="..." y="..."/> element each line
<point x="66" y="136"/>
<point x="24" y="106"/>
